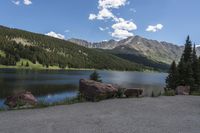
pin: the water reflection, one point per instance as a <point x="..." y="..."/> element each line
<point x="53" y="86"/>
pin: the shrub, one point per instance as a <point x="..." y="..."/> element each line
<point x="120" y="93"/>
<point x="27" y="64"/>
<point x="169" y="92"/>
<point x="152" y="94"/>
<point x="95" y="76"/>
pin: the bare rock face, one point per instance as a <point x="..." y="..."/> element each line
<point x="94" y="91"/>
<point x="183" y="90"/>
<point x="133" y="92"/>
<point x="20" y="100"/>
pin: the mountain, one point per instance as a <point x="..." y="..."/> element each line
<point x="100" y="45"/>
<point x="21" y="49"/>
<point x="147" y="50"/>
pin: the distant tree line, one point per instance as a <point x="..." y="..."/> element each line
<point x="187" y="72"/>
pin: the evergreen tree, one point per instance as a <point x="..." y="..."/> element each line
<point x="185" y="65"/>
<point x="181" y="72"/>
<point x="187" y="53"/>
<point x="172" y="79"/>
<point x="95" y="76"/>
<point x="27" y="64"/>
<point x="195" y="67"/>
<point x="189" y="79"/>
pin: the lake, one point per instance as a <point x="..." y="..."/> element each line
<point x="57" y="85"/>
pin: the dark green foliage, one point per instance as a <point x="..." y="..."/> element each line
<point x="158" y="66"/>
<point x="185" y="67"/>
<point x="172" y="78"/>
<point x="95" y="76"/>
<point x="27" y="64"/>
<point x="50" y="51"/>
<point x="169" y="92"/>
<point x="196" y="69"/>
<point x="188" y="70"/>
<point x="152" y="94"/>
<point x="22" y="64"/>
<point x="120" y="93"/>
<point x="187" y="53"/>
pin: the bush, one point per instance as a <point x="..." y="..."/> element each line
<point x="195" y="93"/>
<point x="95" y="76"/>
<point x="120" y="93"/>
<point x="152" y="94"/>
<point x="169" y="92"/>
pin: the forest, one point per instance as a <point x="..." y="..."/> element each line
<point x="50" y="51"/>
<point x="187" y="71"/>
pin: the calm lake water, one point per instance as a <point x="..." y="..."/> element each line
<point x="54" y="86"/>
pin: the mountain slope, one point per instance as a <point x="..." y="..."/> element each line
<point x="160" y="53"/>
<point x="16" y="45"/>
<point x="100" y="45"/>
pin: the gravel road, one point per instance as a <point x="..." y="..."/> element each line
<point x="179" y="114"/>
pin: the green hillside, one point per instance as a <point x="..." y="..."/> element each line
<point x="22" y="49"/>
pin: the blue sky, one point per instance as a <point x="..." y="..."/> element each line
<point x="97" y="20"/>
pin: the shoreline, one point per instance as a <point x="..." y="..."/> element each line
<point x="73" y="69"/>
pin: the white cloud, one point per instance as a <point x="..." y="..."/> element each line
<point x="124" y="25"/>
<point x="92" y="16"/>
<point x="55" y="35"/>
<point x="27" y="2"/>
<point x="105" y="9"/>
<point x="121" y="34"/>
<point x="16" y="2"/>
<point x="103" y="29"/>
<point x="111" y="3"/>
<point x="123" y="28"/>
<point x="103" y="14"/>
<point x="154" y="28"/>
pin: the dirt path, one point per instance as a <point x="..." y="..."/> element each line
<point x="180" y="114"/>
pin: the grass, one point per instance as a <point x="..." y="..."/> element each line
<point x="169" y="93"/>
<point x="22" y="65"/>
<point x="195" y="93"/>
<point x="42" y="104"/>
<point x="2" y="53"/>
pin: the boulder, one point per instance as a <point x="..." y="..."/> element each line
<point x="136" y="92"/>
<point x="20" y="100"/>
<point x="94" y="91"/>
<point x="183" y="90"/>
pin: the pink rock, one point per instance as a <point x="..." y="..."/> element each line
<point x="20" y="99"/>
<point x="93" y="90"/>
<point x="183" y="90"/>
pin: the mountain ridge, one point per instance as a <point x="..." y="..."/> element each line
<point x="160" y="51"/>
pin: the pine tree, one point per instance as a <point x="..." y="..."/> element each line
<point x="172" y="79"/>
<point x="95" y="76"/>
<point x="187" y="53"/>
<point x="181" y="72"/>
<point x="27" y="64"/>
<point x="185" y="65"/>
<point x="195" y="67"/>
<point x="189" y="79"/>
